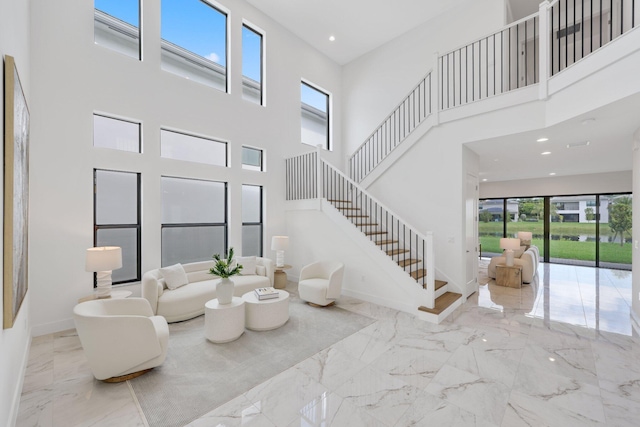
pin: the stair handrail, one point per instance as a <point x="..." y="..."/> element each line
<point x="427" y="237"/>
<point x="427" y="78"/>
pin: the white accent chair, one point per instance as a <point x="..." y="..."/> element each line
<point x="121" y="337"/>
<point x="321" y="282"/>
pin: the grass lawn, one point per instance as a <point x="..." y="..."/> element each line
<point x="574" y="228"/>
<point x="566" y="249"/>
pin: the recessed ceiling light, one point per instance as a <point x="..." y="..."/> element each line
<point x="578" y="144"/>
<point x="542" y="139"/>
<point x="484" y="179"/>
<point x="551" y="359"/>
<point x="332" y="38"/>
<point x="552" y="173"/>
<point x="545" y="153"/>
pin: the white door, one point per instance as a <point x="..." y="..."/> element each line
<point x="471" y="205"/>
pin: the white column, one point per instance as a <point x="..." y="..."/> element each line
<point x="635" y="260"/>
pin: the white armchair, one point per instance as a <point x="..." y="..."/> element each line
<point x="321" y="282"/>
<point x="121" y="337"/>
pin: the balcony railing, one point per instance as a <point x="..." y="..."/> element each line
<point x="524" y="53"/>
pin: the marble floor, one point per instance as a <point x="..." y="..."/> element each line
<point x="558" y="352"/>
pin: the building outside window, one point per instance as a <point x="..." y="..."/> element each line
<point x="252" y="220"/>
<point x="252" y="65"/>
<point x="252" y="159"/>
<point x="315" y="118"/>
<point x="190" y="148"/>
<point x="194" y="41"/>
<point x="116" y="219"/>
<point x="194" y="220"/>
<point x="116" y="134"/>
<point x="117" y="26"/>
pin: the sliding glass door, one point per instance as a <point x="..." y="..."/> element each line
<point x="572" y="230"/>
<point x="615" y="231"/>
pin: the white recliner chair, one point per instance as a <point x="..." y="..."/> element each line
<point x="121" y="338"/>
<point x="321" y="282"/>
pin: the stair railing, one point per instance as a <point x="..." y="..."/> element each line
<point x="347" y="196"/>
<point x="394" y="129"/>
<point x="529" y="51"/>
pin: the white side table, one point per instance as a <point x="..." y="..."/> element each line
<point x="264" y="315"/>
<point x="223" y="322"/>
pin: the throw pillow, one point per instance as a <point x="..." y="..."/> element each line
<point x="248" y="264"/>
<point x="174" y="276"/>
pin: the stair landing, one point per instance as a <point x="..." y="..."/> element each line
<point x="442" y="303"/>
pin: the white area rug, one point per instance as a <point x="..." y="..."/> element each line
<point x="199" y="376"/>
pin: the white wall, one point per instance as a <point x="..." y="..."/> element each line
<point x="73" y="77"/>
<point x="374" y="84"/>
<point x="612" y="182"/>
<point x="14" y="342"/>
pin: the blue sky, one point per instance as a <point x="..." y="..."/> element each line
<point x="313" y="97"/>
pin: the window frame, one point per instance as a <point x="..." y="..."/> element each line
<point x="198" y="136"/>
<point x="262" y="159"/>
<point x="261" y="222"/>
<point x="139" y="38"/>
<point x="225" y="224"/>
<point x="122" y="119"/>
<point x="329" y="139"/>
<point x="261" y="33"/>
<point x="138" y="226"/>
<point x="163" y="42"/>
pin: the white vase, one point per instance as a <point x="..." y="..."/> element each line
<point x="224" y="291"/>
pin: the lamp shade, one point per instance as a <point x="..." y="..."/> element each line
<point x="103" y="258"/>
<point x="525" y="237"/>
<point x="508" y="243"/>
<point x="279" y="243"/>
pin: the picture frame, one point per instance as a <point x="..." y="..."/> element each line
<point x="16" y="194"/>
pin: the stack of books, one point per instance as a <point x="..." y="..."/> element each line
<point x="266" y="293"/>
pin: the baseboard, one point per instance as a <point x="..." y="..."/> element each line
<point x="17" y="394"/>
<point x="50" y="328"/>
<point x="635" y="322"/>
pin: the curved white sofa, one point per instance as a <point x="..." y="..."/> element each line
<point x="528" y="260"/>
<point x="187" y="302"/>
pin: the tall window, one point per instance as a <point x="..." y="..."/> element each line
<point x="251" y="220"/>
<point x="117" y="26"/>
<point x="252" y="159"/>
<point x="116" y="219"/>
<point x="116" y="134"/>
<point x="252" y="65"/>
<point x="194" y="41"/>
<point x="315" y="128"/>
<point x="194" y="220"/>
<point x="181" y="146"/>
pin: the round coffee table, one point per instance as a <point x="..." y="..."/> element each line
<point x="264" y="315"/>
<point x="223" y="322"/>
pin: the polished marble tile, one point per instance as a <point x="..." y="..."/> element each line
<point x="487" y="365"/>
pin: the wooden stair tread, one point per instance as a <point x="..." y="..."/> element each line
<point x="356" y="216"/>
<point x="345" y="208"/>
<point x="371" y="233"/>
<point x="442" y="303"/>
<point x="385" y="242"/>
<point x="365" y="224"/>
<point x="418" y="274"/>
<point x="408" y="261"/>
<point x="338" y="201"/>
<point x="440" y="283"/>
<point x="398" y="251"/>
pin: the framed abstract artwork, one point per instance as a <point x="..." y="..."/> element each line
<point x="16" y="193"/>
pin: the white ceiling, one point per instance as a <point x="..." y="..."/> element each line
<point x="360" y="26"/>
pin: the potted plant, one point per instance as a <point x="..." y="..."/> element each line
<point x="225" y="268"/>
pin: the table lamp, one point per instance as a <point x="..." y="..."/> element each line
<point x="509" y="245"/>
<point x="279" y="244"/>
<point x="103" y="260"/>
<point x="525" y="238"/>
